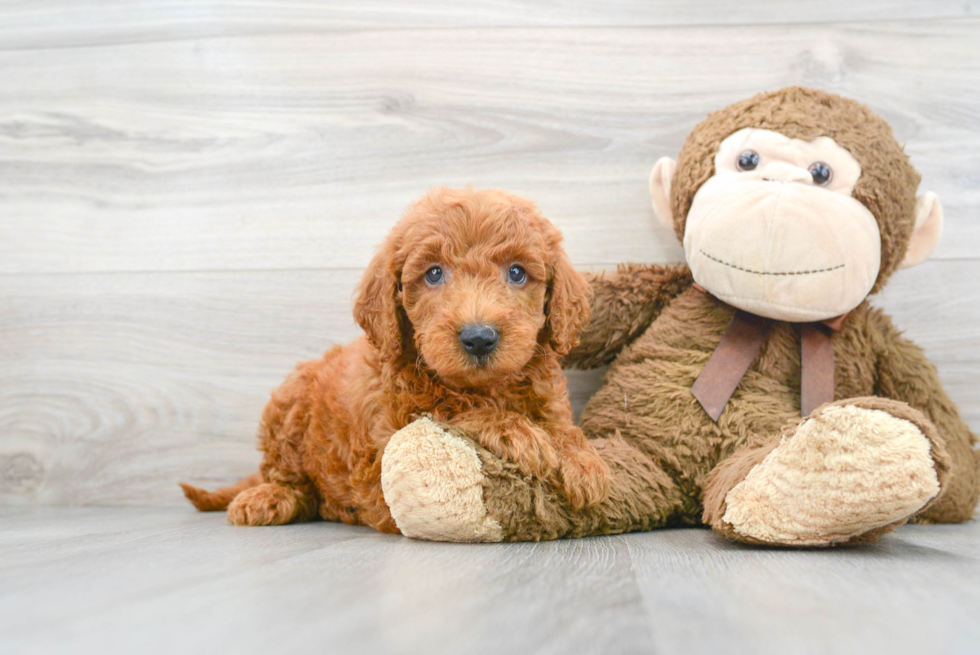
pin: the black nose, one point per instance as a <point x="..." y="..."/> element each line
<point x="478" y="340"/>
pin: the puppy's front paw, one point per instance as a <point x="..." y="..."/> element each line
<point x="584" y="477"/>
<point x="512" y="437"/>
<point x="532" y="451"/>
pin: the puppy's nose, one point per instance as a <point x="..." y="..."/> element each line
<point x="478" y="340"/>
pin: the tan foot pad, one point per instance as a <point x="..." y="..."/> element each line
<point x="845" y="471"/>
<point x="433" y="484"/>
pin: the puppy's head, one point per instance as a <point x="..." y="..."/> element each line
<point x="471" y="284"/>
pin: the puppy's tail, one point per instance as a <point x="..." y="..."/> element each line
<point x="211" y="501"/>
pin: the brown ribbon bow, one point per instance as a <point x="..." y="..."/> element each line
<point x="738" y="348"/>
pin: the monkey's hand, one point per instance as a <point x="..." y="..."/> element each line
<point x="625" y="303"/>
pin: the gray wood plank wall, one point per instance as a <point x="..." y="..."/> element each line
<point x="190" y="189"/>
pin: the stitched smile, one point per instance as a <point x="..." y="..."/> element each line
<point x="748" y="270"/>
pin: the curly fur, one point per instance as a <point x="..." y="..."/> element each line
<point x="324" y="431"/>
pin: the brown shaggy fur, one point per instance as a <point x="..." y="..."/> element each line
<point x="324" y="431"/>
<point x="669" y="462"/>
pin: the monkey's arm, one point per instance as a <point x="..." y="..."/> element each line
<point x="904" y="373"/>
<point x="626" y="301"/>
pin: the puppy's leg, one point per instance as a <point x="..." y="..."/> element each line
<point x="584" y="474"/>
<point x="555" y="451"/>
<point x="513" y="437"/>
<point x="287" y="493"/>
<point x="271" y="503"/>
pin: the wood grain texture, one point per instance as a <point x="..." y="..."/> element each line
<point x="95" y="580"/>
<point x="56" y="23"/>
<point x="287" y="150"/>
<point x="189" y="190"/>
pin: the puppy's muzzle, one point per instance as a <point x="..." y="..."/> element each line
<point x="478" y="340"/>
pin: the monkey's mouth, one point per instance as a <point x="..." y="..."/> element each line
<point x="749" y="270"/>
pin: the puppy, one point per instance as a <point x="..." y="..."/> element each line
<point x="466" y="309"/>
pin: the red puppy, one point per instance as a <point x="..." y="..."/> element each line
<point x="467" y="308"/>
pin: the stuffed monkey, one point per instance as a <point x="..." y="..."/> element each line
<point x="754" y="390"/>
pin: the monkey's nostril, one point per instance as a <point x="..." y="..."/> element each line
<point x="478" y="340"/>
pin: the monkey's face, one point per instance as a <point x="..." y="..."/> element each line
<point x="776" y="231"/>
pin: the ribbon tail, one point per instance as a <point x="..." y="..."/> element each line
<point x="816" y="368"/>
<point x="730" y="361"/>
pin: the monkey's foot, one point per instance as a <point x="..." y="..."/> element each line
<point x="433" y="484"/>
<point x="850" y="472"/>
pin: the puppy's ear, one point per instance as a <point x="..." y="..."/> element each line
<point x="568" y="302"/>
<point x="377" y="308"/>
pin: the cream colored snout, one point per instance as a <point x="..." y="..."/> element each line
<point x="792" y="252"/>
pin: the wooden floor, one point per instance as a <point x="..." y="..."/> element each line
<point x="168" y="580"/>
<point x="189" y="192"/>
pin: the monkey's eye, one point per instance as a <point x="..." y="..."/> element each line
<point x="516" y="274"/>
<point x="822" y="173"/>
<point x="748" y="160"/>
<point x="433" y="276"/>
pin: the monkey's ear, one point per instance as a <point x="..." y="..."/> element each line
<point x="660" y="181"/>
<point x="928" y="228"/>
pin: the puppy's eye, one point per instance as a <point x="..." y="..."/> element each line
<point x="748" y="160"/>
<point x="517" y="275"/>
<point x="822" y="173"/>
<point x="433" y="276"/>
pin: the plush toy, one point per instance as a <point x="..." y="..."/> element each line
<point x="754" y="390"/>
